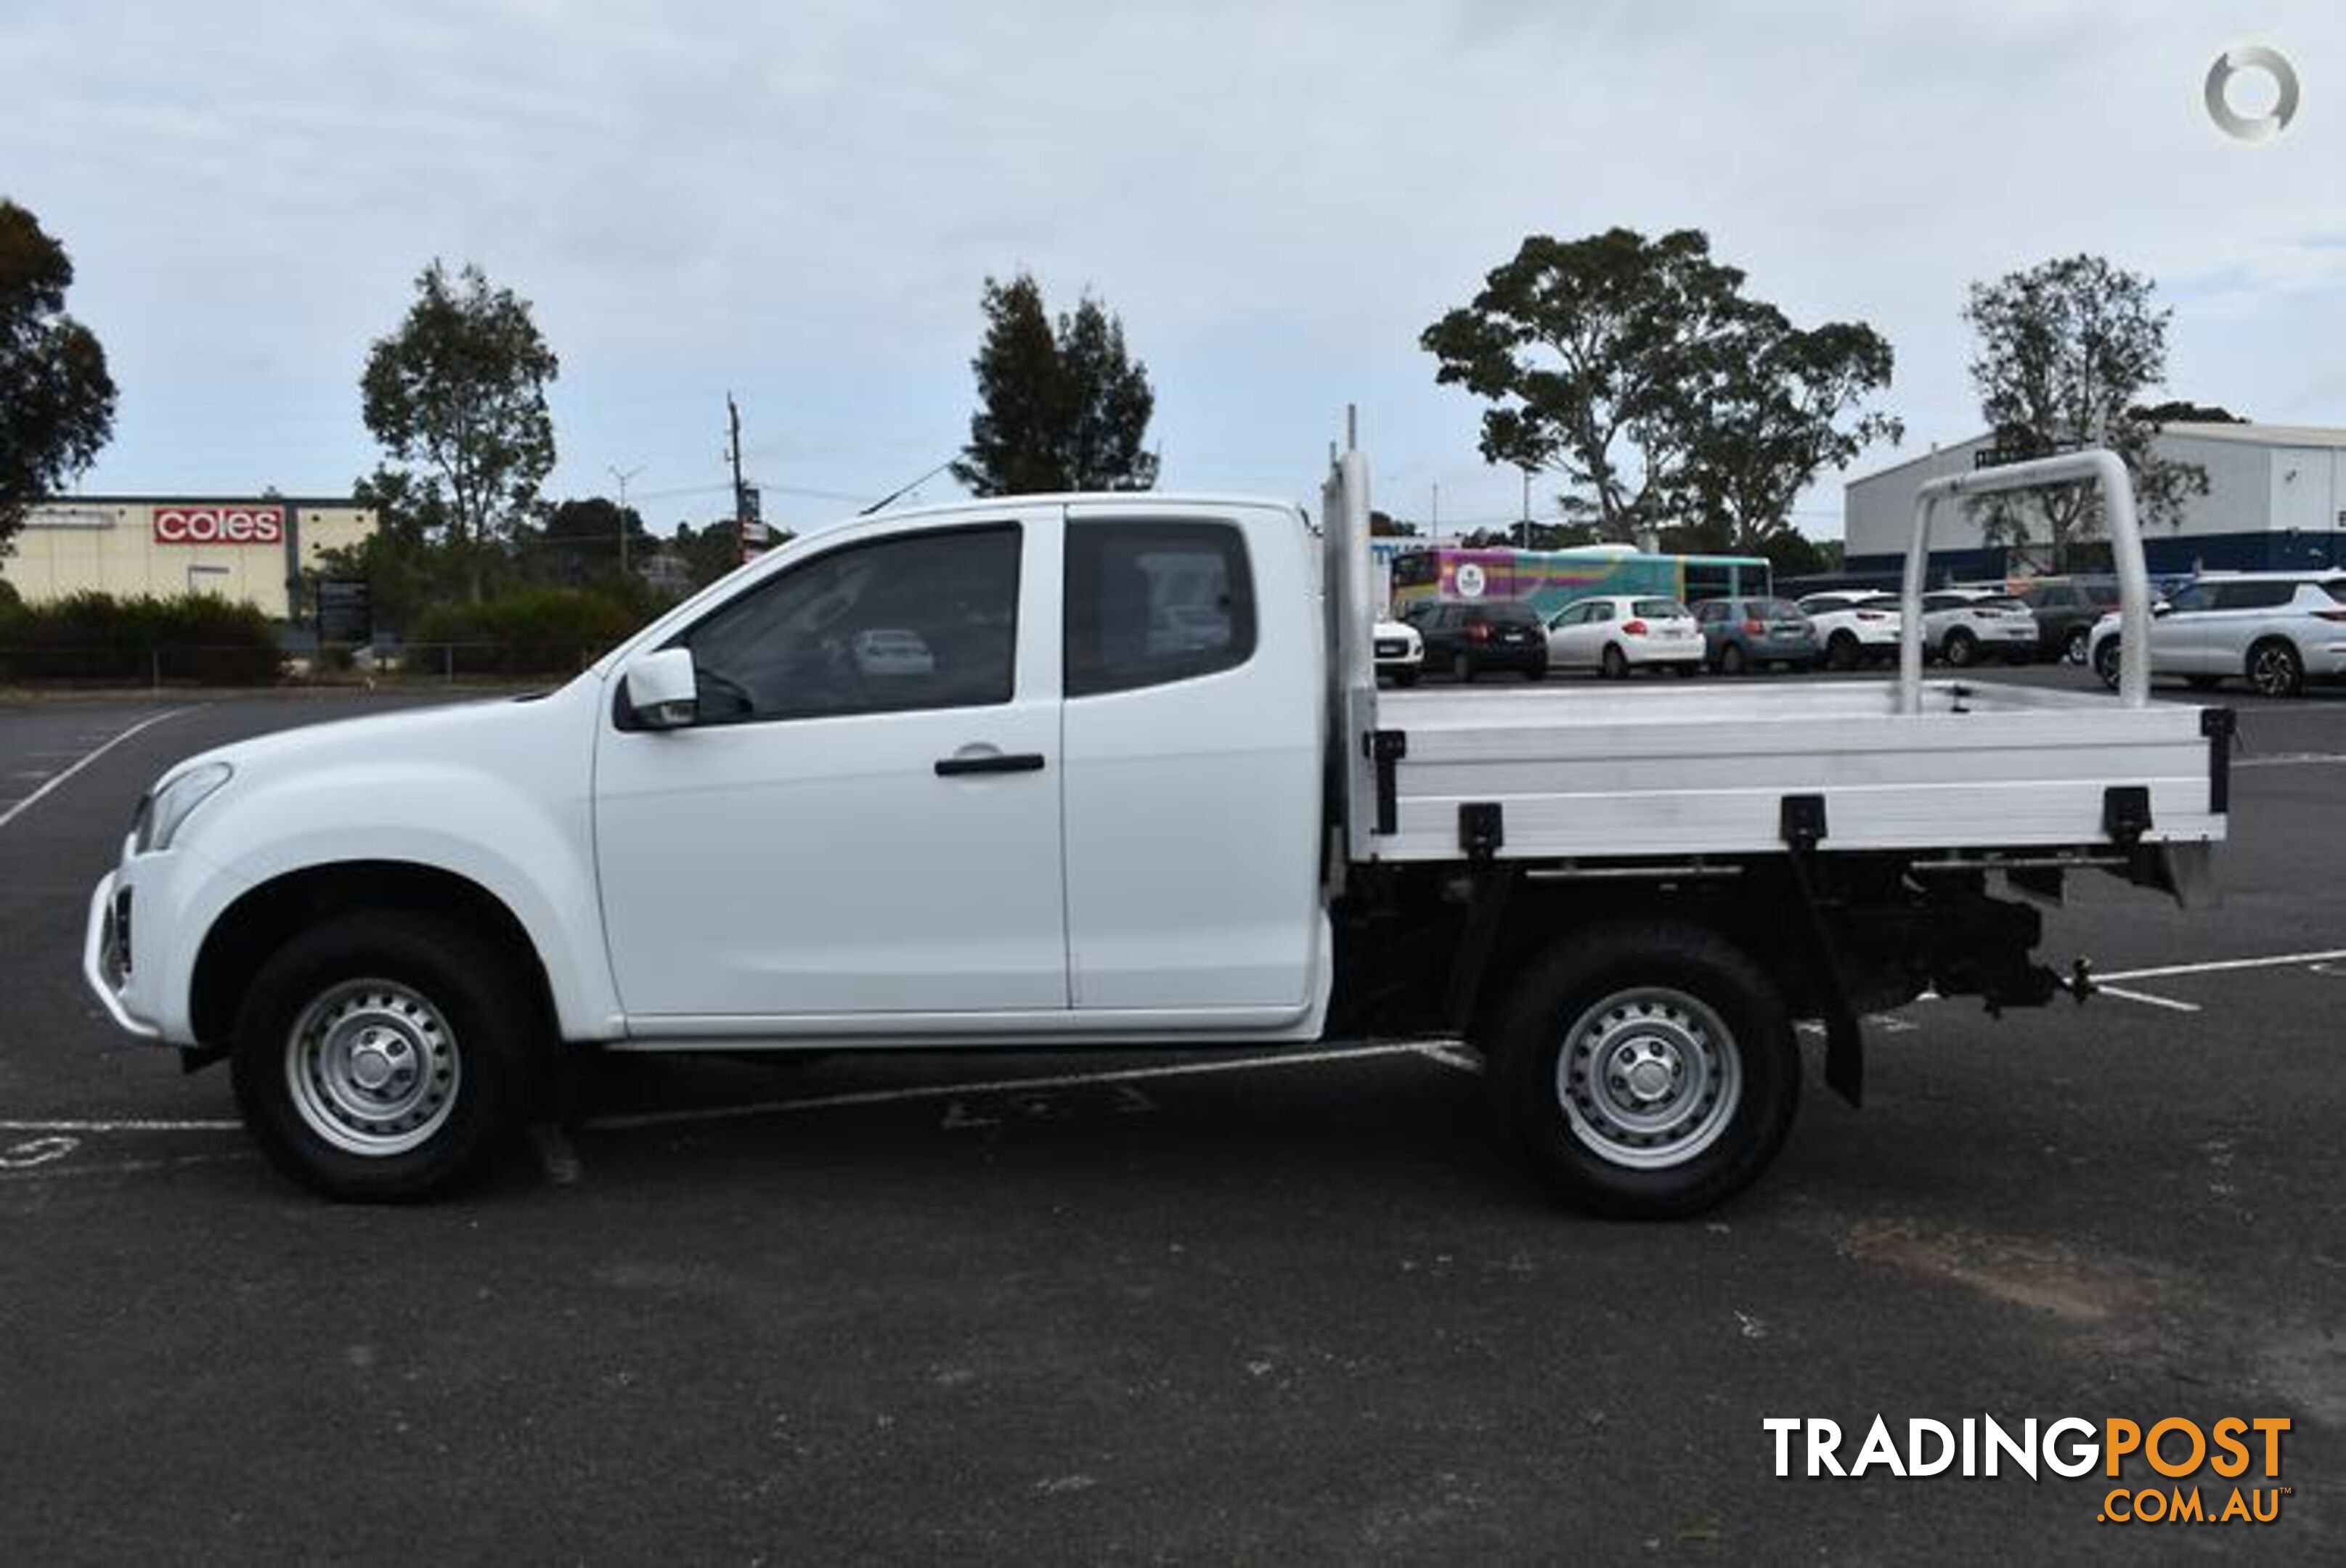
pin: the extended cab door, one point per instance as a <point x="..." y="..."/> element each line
<point x="864" y="817"/>
<point x="1191" y="745"/>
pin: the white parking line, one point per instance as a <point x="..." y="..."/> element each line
<point x="2224" y="965"/>
<point x="2145" y="997"/>
<point x="2289" y="759"/>
<point x="120" y="1125"/>
<point x="26" y="804"/>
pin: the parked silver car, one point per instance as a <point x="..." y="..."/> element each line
<point x="2276" y="630"/>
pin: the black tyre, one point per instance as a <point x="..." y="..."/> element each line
<point x="1616" y="664"/>
<point x="2075" y="645"/>
<point x="1648" y="1070"/>
<point x="2274" y="668"/>
<point x="1841" y="651"/>
<point x="379" y="1058"/>
<point x="1961" y="650"/>
<point x="2106" y="662"/>
<point x="1731" y="659"/>
<point x="1462" y="668"/>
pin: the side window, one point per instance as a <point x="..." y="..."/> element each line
<point x="1932" y="602"/>
<point x="1600" y="611"/>
<point x="925" y="620"/>
<point x="1150" y="601"/>
<point x="2253" y="595"/>
<point x="2197" y="597"/>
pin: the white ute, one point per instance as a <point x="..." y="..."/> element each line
<point x="934" y="778"/>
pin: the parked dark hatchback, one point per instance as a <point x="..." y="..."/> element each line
<point x="2065" y="612"/>
<point x="1467" y="637"/>
<point x="1750" y="634"/>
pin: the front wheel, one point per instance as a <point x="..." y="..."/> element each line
<point x="1960" y="649"/>
<point x="2073" y="648"/>
<point x="2275" y="670"/>
<point x="1648" y="1070"/>
<point x="2106" y="662"/>
<point x="380" y="1058"/>
<point x="1616" y="664"/>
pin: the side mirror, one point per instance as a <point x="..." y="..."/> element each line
<point x="660" y="688"/>
<point x="2162" y="608"/>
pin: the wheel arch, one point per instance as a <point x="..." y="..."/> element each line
<point x="261" y="921"/>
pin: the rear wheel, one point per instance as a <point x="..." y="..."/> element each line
<point x="1730" y="659"/>
<point x="2274" y="668"/>
<point x="380" y="1058"/>
<point x="1961" y="648"/>
<point x="1616" y="664"/>
<point x="1462" y="668"/>
<point x="1648" y="1070"/>
<point x="1841" y="651"/>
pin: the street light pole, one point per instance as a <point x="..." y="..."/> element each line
<point x="623" y="476"/>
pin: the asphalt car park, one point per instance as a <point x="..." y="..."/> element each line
<point x="1206" y="1305"/>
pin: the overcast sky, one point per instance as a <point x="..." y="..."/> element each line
<point x="798" y="202"/>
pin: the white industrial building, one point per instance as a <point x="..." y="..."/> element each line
<point x="2276" y="498"/>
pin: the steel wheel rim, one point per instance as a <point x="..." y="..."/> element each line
<point x="2271" y="673"/>
<point x="2074" y="650"/>
<point x="1649" y="1078"/>
<point x="373" y="1067"/>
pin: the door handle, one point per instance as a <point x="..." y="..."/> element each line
<point x="998" y="762"/>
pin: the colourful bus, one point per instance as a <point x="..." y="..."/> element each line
<point x="1551" y="579"/>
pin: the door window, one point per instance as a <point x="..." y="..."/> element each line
<point x="2253" y="595"/>
<point x="1148" y="603"/>
<point x="919" y="621"/>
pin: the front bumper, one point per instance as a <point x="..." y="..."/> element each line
<point x="106" y="955"/>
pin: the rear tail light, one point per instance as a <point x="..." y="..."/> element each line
<point x="1478" y="632"/>
<point x="2330" y="615"/>
<point x="1755" y="628"/>
<point x="1634" y="628"/>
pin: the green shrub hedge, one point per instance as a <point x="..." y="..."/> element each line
<point x="197" y="638"/>
<point x="543" y="631"/>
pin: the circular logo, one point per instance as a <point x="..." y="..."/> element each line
<point x="1469" y="580"/>
<point x="2251" y="128"/>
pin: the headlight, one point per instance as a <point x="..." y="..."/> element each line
<point x="158" y="822"/>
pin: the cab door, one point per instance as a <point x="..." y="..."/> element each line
<point x="864" y="816"/>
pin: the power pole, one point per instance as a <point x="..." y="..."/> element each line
<point x="740" y="492"/>
<point x="623" y="476"/>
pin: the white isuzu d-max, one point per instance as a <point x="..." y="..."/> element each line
<point x="1083" y="770"/>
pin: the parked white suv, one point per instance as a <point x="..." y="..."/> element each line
<point x="1964" y="625"/>
<point x="2275" y="630"/>
<point x="1856" y="627"/>
<point x="1399" y="652"/>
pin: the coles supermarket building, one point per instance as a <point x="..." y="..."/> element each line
<point x="250" y="551"/>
